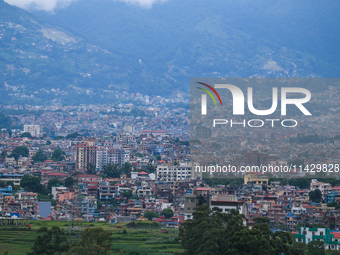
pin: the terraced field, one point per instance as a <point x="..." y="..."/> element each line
<point x="17" y="240"/>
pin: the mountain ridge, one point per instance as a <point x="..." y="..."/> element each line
<point x="151" y="51"/>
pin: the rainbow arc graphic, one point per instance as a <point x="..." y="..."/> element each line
<point x="209" y="93"/>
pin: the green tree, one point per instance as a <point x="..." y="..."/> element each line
<point x="261" y="220"/>
<point x="315" y="196"/>
<point x="90" y="169"/>
<point x="214" y="232"/>
<point x="52" y="241"/>
<point x="126" y="169"/>
<point x="32" y="184"/>
<point x="20" y="151"/>
<point x="39" y="156"/>
<point x="5" y="121"/>
<point x="298" y="248"/>
<point x="113" y="201"/>
<point x="2" y="184"/>
<point x="150" y="215"/>
<point x="26" y="134"/>
<point x="127" y="194"/>
<point x="4" y="154"/>
<point x="168" y="213"/>
<point x="93" y="242"/>
<point x="69" y="181"/>
<point x="150" y="168"/>
<point x="53" y="183"/>
<point x="316" y="248"/>
<point x="72" y="136"/>
<point x="59" y="137"/>
<point x="58" y="155"/>
<point x="111" y="170"/>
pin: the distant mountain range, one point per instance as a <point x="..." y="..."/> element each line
<point x="89" y="50"/>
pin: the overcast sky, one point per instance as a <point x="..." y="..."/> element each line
<point x="49" y="5"/>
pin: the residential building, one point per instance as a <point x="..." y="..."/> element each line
<point x="15" y="178"/>
<point x="170" y="173"/>
<point x="325" y="188"/>
<point x="34" y="130"/>
<point x="330" y="239"/>
<point x="110" y="155"/>
<point x="85" y="153"/>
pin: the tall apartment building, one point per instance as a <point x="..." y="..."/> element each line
<point x="85" y="154"/>
<point x="168" y="173"/>
<point x="34" y="130"/>
<point x="110" y="154"/>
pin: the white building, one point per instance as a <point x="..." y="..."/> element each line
<point x="169" y="173"/>
<point x="299" y="210"/>
<point x="330" y="239"/>
<point x="34" y="130"/>
<point x="109" y="155"/>
<point x="56" y="190"/>
<point x="325" y="188"/>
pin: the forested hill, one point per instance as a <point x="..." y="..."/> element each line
<point x="92" y="48"/>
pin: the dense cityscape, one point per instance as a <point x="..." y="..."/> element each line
<point x="156" y="127"/>
<point x="120" y="164"/>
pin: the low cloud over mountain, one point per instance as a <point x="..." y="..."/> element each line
<point x="50" y="5"/>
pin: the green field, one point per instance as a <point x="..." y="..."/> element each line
<point x="141" y="240"/>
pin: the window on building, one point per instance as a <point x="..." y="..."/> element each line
<point x="188" y="208"/>
<point x="321" y="233"/>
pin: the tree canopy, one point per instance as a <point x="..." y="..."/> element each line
<point x="168" y="213"/>
<point x="111" y="170"/>
<point x="214" y="232"/>
<point x="58" y="155"/>
<point x="150" y="215"/>
<point x="20" y="151"/>
<point x="39" y="156"/>
<point x="52" y="241"/>
<point x="315" y="196"/>
<point x="69" y="181"/>
<point x="93" y="241"/>
<point x="32" y="184"/>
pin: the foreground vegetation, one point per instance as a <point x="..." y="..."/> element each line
<point x="210" y="232"/>
<point x="143" y="238"/>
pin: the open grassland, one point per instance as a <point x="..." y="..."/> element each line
<point x="142" y="239"/>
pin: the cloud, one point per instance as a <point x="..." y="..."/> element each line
<point x="50" y="5"/>
<point x="144" y="3"/>
<point x="46" y="5"/>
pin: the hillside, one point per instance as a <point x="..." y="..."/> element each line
<point x="92" y="48"/>
<point x="40" y="63"/>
